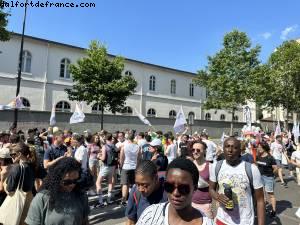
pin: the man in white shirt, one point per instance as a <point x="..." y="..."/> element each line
<point x="277" y="150"/>
<point x="233" y="175"/>
<point x="295" y="159"/>
<point x="211" y="148"/>
<point x="81" y="153"/>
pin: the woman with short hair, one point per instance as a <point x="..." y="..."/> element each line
<point x="181" y="181"/>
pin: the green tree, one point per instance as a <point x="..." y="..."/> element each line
<point x="4" y="34"/>
<point x="97" y="79"/>
<point x="284" y="78"/>
<point x="227" y="76"/>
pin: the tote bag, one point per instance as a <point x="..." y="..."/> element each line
<point x="12" y="207"/>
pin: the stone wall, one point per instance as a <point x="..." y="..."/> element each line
<point x="40" y="119"/>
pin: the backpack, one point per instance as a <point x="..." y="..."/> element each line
<point x="248" y="172"/>
<point x="111" y="155"/>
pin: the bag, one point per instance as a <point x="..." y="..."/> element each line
<point x="12" y="208"/>
<point x="111" y="155"/>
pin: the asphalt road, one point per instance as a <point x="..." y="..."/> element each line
<point x="288" y="201"/>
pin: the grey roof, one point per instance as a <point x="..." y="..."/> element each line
<point x="80" y="48"/>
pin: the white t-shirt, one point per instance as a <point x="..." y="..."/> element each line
<point x="211" y="150"/>
<point x="276" y="150"/>
<point x="154" y="215"/>
<point x="296" y="156"/>
<point x="172" y="150"/>
<point x="236" y="177"/>
<point x="131" y="153"/>
<point x="81" y="154"/>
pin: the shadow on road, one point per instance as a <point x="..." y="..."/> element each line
<point x="119" y="214"/>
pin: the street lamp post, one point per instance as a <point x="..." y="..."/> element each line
<point x="20" y="66"/>
<point x="191" y="122"/>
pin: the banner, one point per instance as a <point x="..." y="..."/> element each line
<point x="78" y="116"/>
<point x="180" y="122"/>
<point x="142" y="118"/>
<point x="247" y="116"/>
<point x="52" y="117"/>
<point x="277" y="129"/>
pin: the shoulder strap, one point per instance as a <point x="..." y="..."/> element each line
<point x="164" y="209"/>
<point x="249" y="174"/>
<point x="218" y="167"/>
<point x="136" y="197"/>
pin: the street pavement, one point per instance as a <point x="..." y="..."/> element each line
<point x="288" y="201"/>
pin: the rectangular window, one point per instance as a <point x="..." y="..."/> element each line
<point x="191" y="90"/>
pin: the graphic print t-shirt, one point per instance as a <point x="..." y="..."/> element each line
<point x="236" y="177"/>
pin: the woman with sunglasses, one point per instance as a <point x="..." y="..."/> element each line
<point x="60" y="201"/>
<point x="181" y="181"/>
<point x="201" y="197"/>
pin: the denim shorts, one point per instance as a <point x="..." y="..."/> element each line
<point x="268" y="183"/>
<point x="278" y="163"/>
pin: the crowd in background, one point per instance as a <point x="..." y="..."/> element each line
<point x="57" y="169"/>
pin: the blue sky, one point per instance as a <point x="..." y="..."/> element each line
<point x="173" y="33"/>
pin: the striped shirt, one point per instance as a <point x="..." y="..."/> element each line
<point x="158" y="214"/>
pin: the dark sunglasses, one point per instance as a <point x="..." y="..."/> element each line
<point x="13" y="154"/>
<point x="196" y="150"/>
<point x="183" y="189"/>
<point x="69" y="182"/>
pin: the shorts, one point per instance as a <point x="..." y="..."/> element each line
<point x="127" y="177"/>
<point x="291" y="167"/>
<point x="93" y="162"/>
<point x="107" y="171"/>
<point x="278" y="163"/>
<point x="268" y="183"/>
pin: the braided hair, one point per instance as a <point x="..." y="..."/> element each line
<point x="148" y="168"/>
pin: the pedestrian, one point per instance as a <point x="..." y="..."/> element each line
<point x="21" y="173"/>
<point x="295" y="160"/>
<point x="129" y="157"/>
<point x="238" y="181"/>
<point x="267" y="165"/>
<point x="245" y="156"/>
<point x="171" y="149"/>
<point x="55" y="151"/>
<point x="277" y="151"/>
<point x="159" y="159"/>
<point x="181" y="181"/>
<point x="109" y="160"/>
<point x="148" y="190"/>
<point x="211" y="148"/>
<point x="5" y="166"/>
<point x="60" y="201"/>
<point x="201" y="198"/>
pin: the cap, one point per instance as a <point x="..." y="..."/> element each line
<point x="4" y="153"/>
<point x="155" y="142"/>
<point x="55" y="129"/>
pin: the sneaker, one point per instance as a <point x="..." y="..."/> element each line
<point x="284" y="184"/>
<point x="272" y="214"/>
<point x="100" y="205"/>
<point x="124" y="204"/>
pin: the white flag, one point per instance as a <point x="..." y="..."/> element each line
<point x="278" y="129"/>
<point x="142" y="118"/>
<point x="247" y="115"/>
<point x="52" y="117"/>
<point x="19" y="103"/>
<point x="297" y="133"/>
<point x="78" y="116"/>
<point x="180" y="122"/>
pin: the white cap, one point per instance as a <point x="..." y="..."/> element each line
<point x="155" y="142"/>
<point x="4" y="153"/>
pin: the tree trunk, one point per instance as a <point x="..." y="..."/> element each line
<point x="102" y="110"/>
<point x="231" y="124"/>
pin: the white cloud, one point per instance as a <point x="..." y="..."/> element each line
<point x="266" y="35"/>
<point x="287" y="31"/>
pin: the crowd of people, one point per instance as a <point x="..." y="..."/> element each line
<point x="164" y="178"/>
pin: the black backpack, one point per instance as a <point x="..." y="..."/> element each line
<point x="111" y="155"/>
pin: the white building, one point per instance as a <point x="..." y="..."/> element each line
<point x="45" y="76"/>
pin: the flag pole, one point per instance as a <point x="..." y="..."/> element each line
<point x="20" y="66"/>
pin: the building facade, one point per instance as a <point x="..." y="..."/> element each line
<point x="45" y="75"/>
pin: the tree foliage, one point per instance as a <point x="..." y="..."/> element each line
<point x="227" y="77"/>
<point x="97" y="79"/>
<point x="4" y="34"/>
<point x="284" y="77"/>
